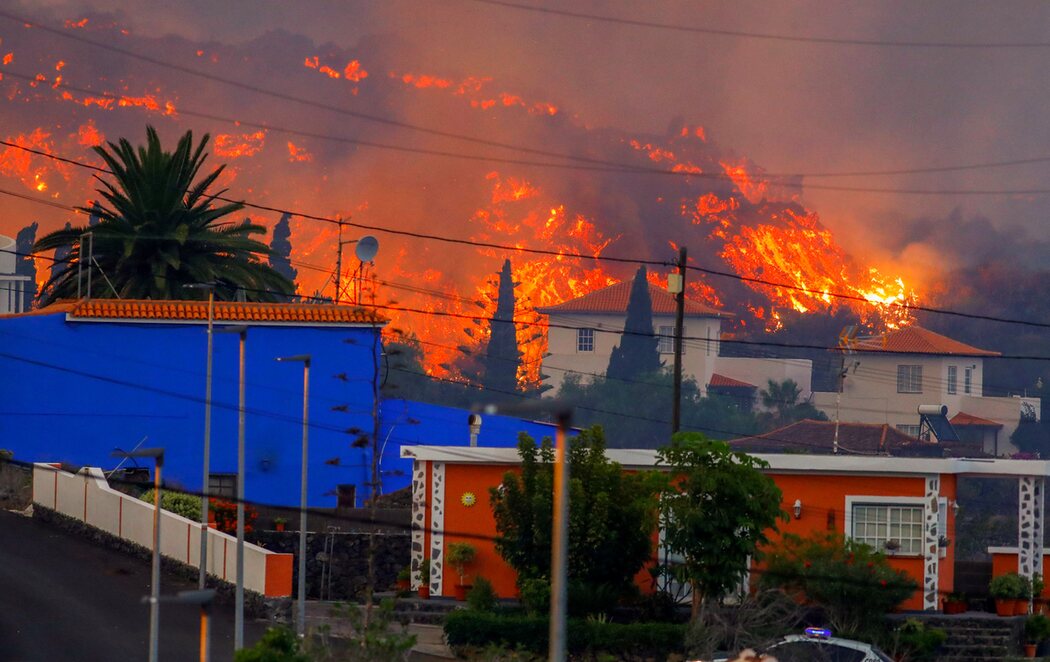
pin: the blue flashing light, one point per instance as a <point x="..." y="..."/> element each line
<point x="818" y="633"/>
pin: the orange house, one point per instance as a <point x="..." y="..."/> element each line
<point x="873" y="499"/>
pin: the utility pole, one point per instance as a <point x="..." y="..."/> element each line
<point x="339" y="263"/>
<point x="679" y="323"/>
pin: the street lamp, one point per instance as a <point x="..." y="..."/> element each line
<point x="238" y="613"/>
<point x="562" y="412"/>
<point x="210" y="287"/>
<point x="204" y="599"/>
<point x="301" y="616"/>
<point x="154" y="608"/>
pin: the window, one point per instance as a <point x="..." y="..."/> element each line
<point x="952" y="379"/>
<point x="666" y="340"/>
<point x="584" y="340"/>
<point x="346" y="496"/>
<point x="909" y="379"/>
<point x="223" y="486"/>
<point x="968" y="380"/>
<point x="910" y="430"/>
<point x="874" y="524"/>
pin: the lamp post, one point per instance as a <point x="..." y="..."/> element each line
<point x="238" y="613"/>
<point x="562" y="412"/>
<point x="154" y="607"/>
<point x="204" y="599"/>
<point x="301" y="615"/>
<point x="210" y="287"/>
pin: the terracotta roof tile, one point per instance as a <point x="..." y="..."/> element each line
<point x="225" y="311"/>
<point x="614" y="298"/>
<point x="963" y="419"/>
<point x="914" y="339"/>
<point x="718" y="380"/>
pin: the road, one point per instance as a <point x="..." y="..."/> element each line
<point x="64" y="598"/>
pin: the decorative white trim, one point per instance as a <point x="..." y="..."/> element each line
<point x="419" y="519"/>
<point x="437" y="526"/>
<point x="1030" y="496"/>
<point x="931" y="548"/>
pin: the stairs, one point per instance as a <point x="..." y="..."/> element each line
<point x="425" y="612"/>
<point x="977" y="636"/>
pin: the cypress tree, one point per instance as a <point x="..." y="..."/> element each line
<point x="502" y="357"/>
<point x="281" y="249"/>
<point x="24" y="265"/>
<point x="638" y="353"/>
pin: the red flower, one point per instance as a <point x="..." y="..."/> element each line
<point x="882" y="582"/>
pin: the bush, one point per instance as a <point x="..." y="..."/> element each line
<point x="1037" y="629"/>
<point x="466" y="628"/>
<point x="186" y="505"/>
<point x="1010" y="586"/>
<point x="277" y="645"/>
<point x="916" y="642"/>
<point x="854" y="584"/>
<point x="482" y="597"/>
<point x="535" y="596"/>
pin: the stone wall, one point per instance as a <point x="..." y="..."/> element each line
<point x="345" y="565"/>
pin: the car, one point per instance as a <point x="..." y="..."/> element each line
<point x="817" y="645"/>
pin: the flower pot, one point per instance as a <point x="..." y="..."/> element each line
<point x="278" y="527"/>
<point x="1029" y="650"/>
<point x="424" y="591"/>
<point x="1004" y="606"/>
<point x="955" y="607"/>
<point x="461" y="591"/>
<point x="1020" y="607"/>
<point x="404" y="584"/>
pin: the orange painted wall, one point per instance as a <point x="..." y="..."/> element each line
<point x="821" y="495"/>
<point x="1006" y="563"/>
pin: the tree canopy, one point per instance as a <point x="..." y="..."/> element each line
<point x="161" y="230"/>
<point x="638" y="352"/>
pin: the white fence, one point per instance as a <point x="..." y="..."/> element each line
<point x="87" y="496"/>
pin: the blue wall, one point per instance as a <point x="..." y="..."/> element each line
<point x="75" y="391"/>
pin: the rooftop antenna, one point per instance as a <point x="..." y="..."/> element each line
<point x="365" y="250"/>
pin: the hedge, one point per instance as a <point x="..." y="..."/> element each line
<point x="472" y="628"/>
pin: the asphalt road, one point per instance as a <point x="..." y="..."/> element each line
<point x="63" y="598"/>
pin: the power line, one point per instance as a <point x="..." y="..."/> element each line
<point x="601" y="165"/>
<point x="765" y="36"/>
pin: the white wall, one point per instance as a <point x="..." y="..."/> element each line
<point x="87" y="497"/>
<point x="758" y="372"/>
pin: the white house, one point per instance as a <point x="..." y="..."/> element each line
<point x="886" y="378"/>
<point x="584" y="331"/>
<point x="12" y="287"/>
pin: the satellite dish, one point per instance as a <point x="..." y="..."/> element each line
<point x="366" y="249"/>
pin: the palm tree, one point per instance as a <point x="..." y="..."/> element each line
<point x="161" y="231"/>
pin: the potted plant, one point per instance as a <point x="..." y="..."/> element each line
<point x="1038" y="601"/>
<point x="404" y="578"/>
<point x="943" y="542"/>
<point x="955" y="603"/>
<point x="278" y="524"/>
<point x="1024" y="596"/>
<point x="892" y="545"/>
<point x="1036" y="631"/>
<point x="424" y="579"/>
<point x="1005" y="589"/>
<point x="460" y="556"/>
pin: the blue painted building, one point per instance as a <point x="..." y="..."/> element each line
<point x="79" y="380"/>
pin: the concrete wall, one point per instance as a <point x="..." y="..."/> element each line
<point x="87" y="497"/>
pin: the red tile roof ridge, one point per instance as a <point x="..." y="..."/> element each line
<point x="914" y="339"/>
<point x="964" y="419"/>
<point x="224" y="311"/>
<point x="719" y="380"/>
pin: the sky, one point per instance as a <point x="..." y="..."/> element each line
<point x="784" y="106"/>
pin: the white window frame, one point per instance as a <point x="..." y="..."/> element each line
<point x="665" y="341"/>
<point x="953" y="379"/>
<point x="910" y="371"/>
<point x="584" y="340"/>
<point x="909" y="429"/>
<point x="888" y="501"/>
<point x="968" y="380"/>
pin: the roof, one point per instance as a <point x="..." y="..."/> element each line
<point x="844" y="463"/>
<point x="721" y="381"/>
<point x="102" y="310"/>
<point x="818" y="437"/>
<point x="964" y="419"/>
<point x="914" y="339"/>
<point x="614" y="298"/>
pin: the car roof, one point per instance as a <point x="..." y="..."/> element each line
<point x="846" y="643"/>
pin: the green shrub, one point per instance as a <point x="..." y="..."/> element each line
<point x="535" y="595"/>
<point x="852" y="582"/>
<point x="914" y="641"/>
<point x="482" y="597"/>
<point x="466" y="628"/>
<point x="187" y="505"/>
<point x="1010" y="586"/>
<point x="277" y="645"/>
<point x="1037" y="629"/>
